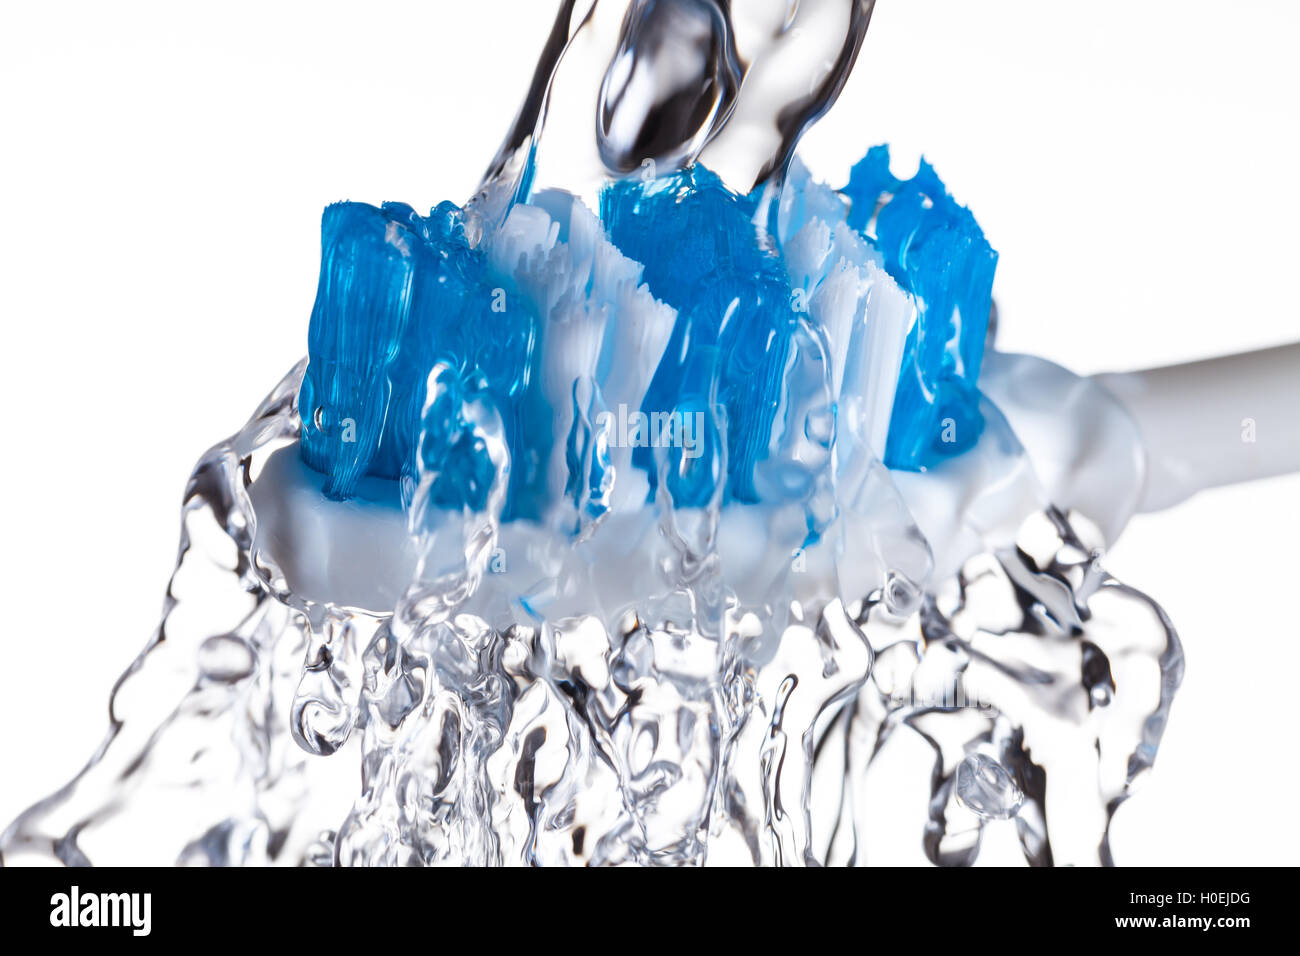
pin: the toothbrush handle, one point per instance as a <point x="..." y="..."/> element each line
<point x="1215" y="422"/>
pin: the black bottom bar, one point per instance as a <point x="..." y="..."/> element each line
<point x="327" y="909"/>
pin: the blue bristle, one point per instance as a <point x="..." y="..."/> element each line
<point x="400" y="293"/>
<point x="934" y="249"/>
<point x="363" y="304"/>
<point x="702" y="256"/>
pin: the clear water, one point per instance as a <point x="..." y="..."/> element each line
<point x="710" y="649"/>
<point x="698" y="729"/>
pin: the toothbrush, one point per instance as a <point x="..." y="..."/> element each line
<point x="630" y="512"/>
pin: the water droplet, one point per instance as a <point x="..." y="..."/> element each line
<point x="671" y="84"/>
<point x="226" y="658"/>
<point x="819" y="426"/>
<point x="985" y="787"/>
<point x="901" y="595"/>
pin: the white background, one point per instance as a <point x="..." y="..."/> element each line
<point x="164" y="165"/>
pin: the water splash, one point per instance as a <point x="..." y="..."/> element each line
<point x="543" y="643"/>
<point x="695" y="729"/>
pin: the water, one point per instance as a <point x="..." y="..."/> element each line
<point x="696" y="730"/>
<point x="543" y="642"/>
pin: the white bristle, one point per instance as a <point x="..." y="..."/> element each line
<point x="593" y="304"/>
<point x="865" y="315"/>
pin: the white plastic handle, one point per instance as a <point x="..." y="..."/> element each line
<point x="1215" y="422"/>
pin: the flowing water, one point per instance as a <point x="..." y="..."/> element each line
<point x="682" y="673"/>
